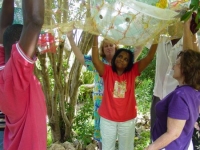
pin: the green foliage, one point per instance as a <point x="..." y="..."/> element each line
<point x="186" y="16"/>
<point x="194" y="4"/>
<point x="194" y="7"/>
<point x="149" y="72"/>
<point x="144" y="95"/>
<point x="144" y="85"/>
<point x="87" y="77"/>
<point x="83" y="123"/>
<point x="49" y="137"/>
<point x="144" y="92"/>
<point x="142" y="141"/>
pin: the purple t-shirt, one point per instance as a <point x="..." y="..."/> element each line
<point x="182" y="103"/>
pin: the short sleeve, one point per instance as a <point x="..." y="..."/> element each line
<point x="178" y="108"/>
<point x="106" y="70"/>
<point x="2" y="56"/>
<point x="135" y="69"/>
<point x="19" y="68"/>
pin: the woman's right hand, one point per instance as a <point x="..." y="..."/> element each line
<point x="196" y="126"/>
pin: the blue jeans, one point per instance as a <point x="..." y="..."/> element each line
<point x="1" y="139"/>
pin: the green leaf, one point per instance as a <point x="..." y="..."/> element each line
<point x="193" y="7"/>
<point x="186" y="16"/>
<point x="194" y="2"/>
<point x="197" y="18"/>
<point x="198" y="26"/>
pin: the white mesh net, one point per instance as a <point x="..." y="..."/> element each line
<point x="126" y="22"/>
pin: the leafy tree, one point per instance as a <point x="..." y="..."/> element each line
<point x="60" y="77"/>
<point x="194" y="7"/>
<point x="60" y="84"/>
<point x="144" y="85"/>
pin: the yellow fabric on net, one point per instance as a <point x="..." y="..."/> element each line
<point x="131" y="22"/>
<point x="127" y="22"/>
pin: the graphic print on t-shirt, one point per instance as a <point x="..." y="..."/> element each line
<point x="119" y="89"/>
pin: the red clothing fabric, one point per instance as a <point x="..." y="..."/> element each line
<point x="23" y="102"/>
<point x="2" y="57"/>
<point x="2" y="63"/>
<point x="118" y="102"/>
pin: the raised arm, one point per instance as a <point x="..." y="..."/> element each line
<point x="33" y="15"/>
<point x="143" y="63"/>
<point x="190" y="41"/>
<point x="75" y="49"/>
<point x="98" y="64"/>
<point x="195" y="42"/>
<point x="137" y="52"/>
<point x="6" y="16"/>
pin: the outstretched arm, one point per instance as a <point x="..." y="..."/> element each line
<point x="98" y="64"/>
<point x="33" y="15"/>
<point x="75" y="49"/>
<point x="137" y="52"/>
<point x="195" y="42"/>
<point x="143" y="63"/>
<point x="6" y="16"/>
<point x="190" y="41"/>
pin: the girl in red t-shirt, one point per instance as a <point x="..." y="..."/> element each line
<point x="118" y="108"/>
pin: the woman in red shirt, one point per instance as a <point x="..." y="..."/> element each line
<point x="118" y="108"/>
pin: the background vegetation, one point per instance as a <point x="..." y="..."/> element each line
<point x="83" y="120"/>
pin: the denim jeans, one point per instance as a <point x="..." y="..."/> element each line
<point x="1" y="139"/>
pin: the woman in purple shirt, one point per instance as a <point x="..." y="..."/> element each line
<point x="177" y="112"/>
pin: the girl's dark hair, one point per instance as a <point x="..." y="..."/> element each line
<point x="130" y="63"/>
<point x="190" y="67"/>
<point x="11" y="36"/>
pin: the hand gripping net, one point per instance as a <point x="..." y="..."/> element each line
<point x="126" y="22"/>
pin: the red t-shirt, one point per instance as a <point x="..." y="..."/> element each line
<point x="118" y="102"/>
<point x="23" y="102"/>
<point x="2" y="63"/>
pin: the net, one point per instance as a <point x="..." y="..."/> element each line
<point x="126" y="22"/>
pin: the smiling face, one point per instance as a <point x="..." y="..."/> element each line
<point x="187" y="68"/>
<point x="122" y="60"/>
<point x="108" y="49"/>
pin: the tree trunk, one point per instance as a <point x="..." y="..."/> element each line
<point x="60" y="86"/>
<point x="58" y="75"/>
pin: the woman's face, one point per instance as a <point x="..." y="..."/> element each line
<point x="122" y="60"/>
<point x="109" y="49"/>
<point x="177" y="71"/>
